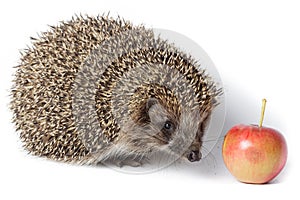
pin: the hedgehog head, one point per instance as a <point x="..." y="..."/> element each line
<point x="174" y="132"/>
<point x="160" y="112"/>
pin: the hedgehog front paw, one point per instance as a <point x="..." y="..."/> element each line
<point x="132" y="162"/>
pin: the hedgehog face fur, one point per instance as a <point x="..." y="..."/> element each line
<point x="165" y="132"/>
<point x="101" y="90"/>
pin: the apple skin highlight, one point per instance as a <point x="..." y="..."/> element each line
<point x="254" y="154"/>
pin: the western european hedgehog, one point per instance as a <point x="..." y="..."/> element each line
<point x="97" y="89"/>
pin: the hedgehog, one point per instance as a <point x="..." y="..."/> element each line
<point x="100" y="90"/>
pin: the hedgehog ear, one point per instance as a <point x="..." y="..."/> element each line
<point x="155" y="111"/>
<point x="150" y="102"/>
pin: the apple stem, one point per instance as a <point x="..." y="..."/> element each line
<point x="263" y="108"/>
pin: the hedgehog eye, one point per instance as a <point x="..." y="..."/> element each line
<point x="168" y="125"/>
<point x="168" y="130"/>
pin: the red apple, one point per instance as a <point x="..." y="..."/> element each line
<point x="253" y="153"/>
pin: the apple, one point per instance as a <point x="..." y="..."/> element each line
<point x="253" y="153"/>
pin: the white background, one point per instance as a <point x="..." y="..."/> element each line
<point x="254" y="44"/>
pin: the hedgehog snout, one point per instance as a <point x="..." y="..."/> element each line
<point x="194" y="155"/>
<point x="192" y="135"/>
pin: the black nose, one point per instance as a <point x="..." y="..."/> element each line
<point x="194" y="156"/>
